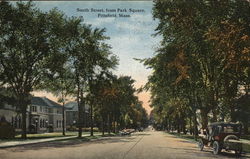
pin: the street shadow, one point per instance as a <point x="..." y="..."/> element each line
<point x="232" y="155"/>
<point x="144" y="134"/>
<point x="187" y="141"/>
<point x="47" y="145"/>
<point x="207" y="153"/>
<point x="75" y="142"/>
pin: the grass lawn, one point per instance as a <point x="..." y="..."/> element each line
<point x="76" y="140"/>
<point x="246" y="147"/>
<point x="184" y="136"/>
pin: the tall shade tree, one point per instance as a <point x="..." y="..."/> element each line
<point x="116" y="102"/>
<point x="25" y="49"/>
<point x="89" y="56"/>
<point x="203" y="58"/>
<point x="60" y="80"/>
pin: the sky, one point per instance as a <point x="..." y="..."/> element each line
<point x="130" y="37"/>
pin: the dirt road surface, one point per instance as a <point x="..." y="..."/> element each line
<point x="143" y="145"/>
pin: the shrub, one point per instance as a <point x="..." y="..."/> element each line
<point x="6" y="130"/>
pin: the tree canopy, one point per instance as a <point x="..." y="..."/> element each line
<point x="202" y="62"/>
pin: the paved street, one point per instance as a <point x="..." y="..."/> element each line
<point x="145" y="145"/>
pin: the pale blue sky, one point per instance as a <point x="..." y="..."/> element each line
<point x="129" y="37"/>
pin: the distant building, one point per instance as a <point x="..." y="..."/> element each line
<point x="43" y="115"/>
<point x="71" y="112"/>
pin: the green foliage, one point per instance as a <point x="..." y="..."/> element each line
<point x="26" y="37"/>
<point x="202" y="61"/>
<point x="49" y="51"/>
<point x="6" y="97"/>
<point x="115" y="100"/>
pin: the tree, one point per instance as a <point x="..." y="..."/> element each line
<point x="61" y="84"/>
<point x="115" y="100"/>
<point x="25" y="38"/>
<point x="59" y="80"/>
<point x="202" y="59"/>
<point x="89" y="56"/>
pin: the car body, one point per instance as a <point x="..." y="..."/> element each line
<point x="221" y="135"/>
<point x="126" y="131"/>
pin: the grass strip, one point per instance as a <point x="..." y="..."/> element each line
<point x="183" y="136"/>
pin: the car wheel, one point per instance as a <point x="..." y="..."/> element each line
<point x="216" y="148"/>
<point x="200" y="145"/>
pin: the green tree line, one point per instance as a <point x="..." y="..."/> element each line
<point x="63" y="55"/>
<point x="201" y="69"/>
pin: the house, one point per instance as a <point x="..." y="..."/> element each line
<point x="43" y="115"/>
<point x="71" y="111"/>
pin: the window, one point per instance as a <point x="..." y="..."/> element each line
<point x="41" y="109"/>
<point x="12" y="121"/>
<point x="19" y="122"/>
<point x="44" y="123"/>
<point x="33" y="109"/>
<point x="41" y="123"/>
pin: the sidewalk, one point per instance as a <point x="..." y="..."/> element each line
<point x="33" y="141"/>
<point x="6" y="144"/>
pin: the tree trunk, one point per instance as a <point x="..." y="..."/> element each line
<point x="190" y="126"/>
<point x="91" y="120"/>
<point x="215" y="114"/>
<point x="23" y="101"/>
<point x="245" y="129"/>
<point x="195" y="126"/>
<point x="114" y="127"/>
<point x="79" y="111"/>
<point x="184" y="126"/>
<point x="102" y="127"/>
<point x="109" y="124"/>
<point x="178" y="126"/>
<point x="232" y="114"/>
<point x="24" y="115"/>
<point x="29" y="119"/>
<point x="204" y="118"/>
<point x="63" y="120"/>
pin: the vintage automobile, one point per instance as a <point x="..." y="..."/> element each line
<point x="220" y="136"/>
<point x="126" y="131"/>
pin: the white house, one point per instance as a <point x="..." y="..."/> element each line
<point x="43" y="115"/>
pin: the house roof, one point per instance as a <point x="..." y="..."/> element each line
<point x="43" y="101"/>
<point x="73" y="106"/>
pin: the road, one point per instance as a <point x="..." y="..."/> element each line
<point x="144" y="145"/>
